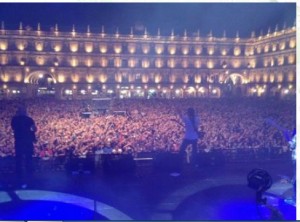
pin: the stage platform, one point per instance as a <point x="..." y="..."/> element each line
<point x="148" y="193"/>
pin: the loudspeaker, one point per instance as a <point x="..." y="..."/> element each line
<point x="212" y="158"/>
<point x="118" y="163"/>
<point x="167" y="162"/>
<point x="80" y="164"/>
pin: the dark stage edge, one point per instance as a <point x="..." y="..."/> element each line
<point x="204" y="193"/>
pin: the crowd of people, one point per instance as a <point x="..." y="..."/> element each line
<point x="149" y="125"/>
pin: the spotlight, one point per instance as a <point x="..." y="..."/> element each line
<point x="260" y="181"/>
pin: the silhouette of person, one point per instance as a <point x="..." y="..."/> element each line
<point x="293" y="146"/>
<point x="24" y="134"/>
<point x="191" y="123"/>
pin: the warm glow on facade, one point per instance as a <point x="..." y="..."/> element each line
<point x="171" y="63"/>
<point x="133" y="61"/>
<point x="18" y="78"/>
<point x="236" y="63"/>
<point x="40" y="60"/>
<point x="291" y="59"/>
<point x="280" y="77"/>
<point x="118" y="77"/>
<point x="280" y="60"/>
<point x="5" y="77"/>
<point x="185" y="49"/>
<point x="39" y="46"/>
<point x="89" y="47"/>
<point x="75" y="78"/>
<point x="103" y="62"/>
<point x="293" y="43"/>
<point x="272" y="77"/>
<point x="74" y="46"/>
<point x="185" y="63"/>
<point x="198" y="78"/>
<point x="185" y="78"/>
<point x="282" y="45"/>
<point x="3" y="59"/>
<point x="145" y="48"/>
<point x="131" y="77"/>
<point x="89" y="62"/>
<point x="21" y="44"/>
<point x="145" y="78"/>
<point x="159" y="63"/>
<point x="61" y="78"/>
<point x="74" y="62"/>
<point x="198" y="49"/>
<point x="103" y="47"/>
<point x="157" y="78"/>
<point x="272" y="62"/>
<point x="172" y="78"/>
<point x="224" y="51"/>
<point x="172" y="49"/>
<point x="252" y="63"/>
<point x="131" y="48"/>
<point x="259" y="49"/>
<point x="237" y="50"/>
<point x="118" y="62"/>
<point x="266" y="62"/>
<point x="210" y="64"/>
<point x="197" y="63"/>
<point x="249" y="51"/>
<point x="267" y="48"/>
<point x="103" y="78"/>
<point x="257" y="77"/>
<point x="90" y="78"/>
<point x="265" y="77"/>
<point x="145" y="63"/>
<point x="210" y="50"/>
<point x="3" y="45"/>
<point x="57" y="46"/>
<point x="118" y="48"/>
<point x="159" y="48"/>
<point x="291" y="76"/>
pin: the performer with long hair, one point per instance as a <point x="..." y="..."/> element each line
<point x="191" y="135"/>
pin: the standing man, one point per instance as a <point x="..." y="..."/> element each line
<point x="24" y="133"/>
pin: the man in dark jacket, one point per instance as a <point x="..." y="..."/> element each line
<point x="24" y="133"/>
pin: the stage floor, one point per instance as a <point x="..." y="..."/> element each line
<point x="203" y="193"/>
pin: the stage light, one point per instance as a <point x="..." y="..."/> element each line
<point x="260" y="181"/>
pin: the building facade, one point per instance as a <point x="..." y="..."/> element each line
<point x="86" y="65"/>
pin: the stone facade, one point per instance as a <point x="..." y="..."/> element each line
<point x="86" y="65"/>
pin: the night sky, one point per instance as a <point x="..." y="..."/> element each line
<point x="232" y="17"/>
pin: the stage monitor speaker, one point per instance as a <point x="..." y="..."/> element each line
<point x="167" y="162"/>
<point x="118" y="163"/>
<point x="212" y="158"/>
<point x="80" y="165"/>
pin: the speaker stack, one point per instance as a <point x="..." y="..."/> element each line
<point x="167" y="162"/>
<point x="118" y="163"/>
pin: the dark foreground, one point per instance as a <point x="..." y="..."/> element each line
<point x="209" y="192"/>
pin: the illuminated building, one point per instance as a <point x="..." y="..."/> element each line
<point x="66" y="64"/>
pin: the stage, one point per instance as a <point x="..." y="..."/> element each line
<point x="207" y="192"/>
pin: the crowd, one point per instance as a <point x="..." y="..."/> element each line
<point x="150" y="125"/>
